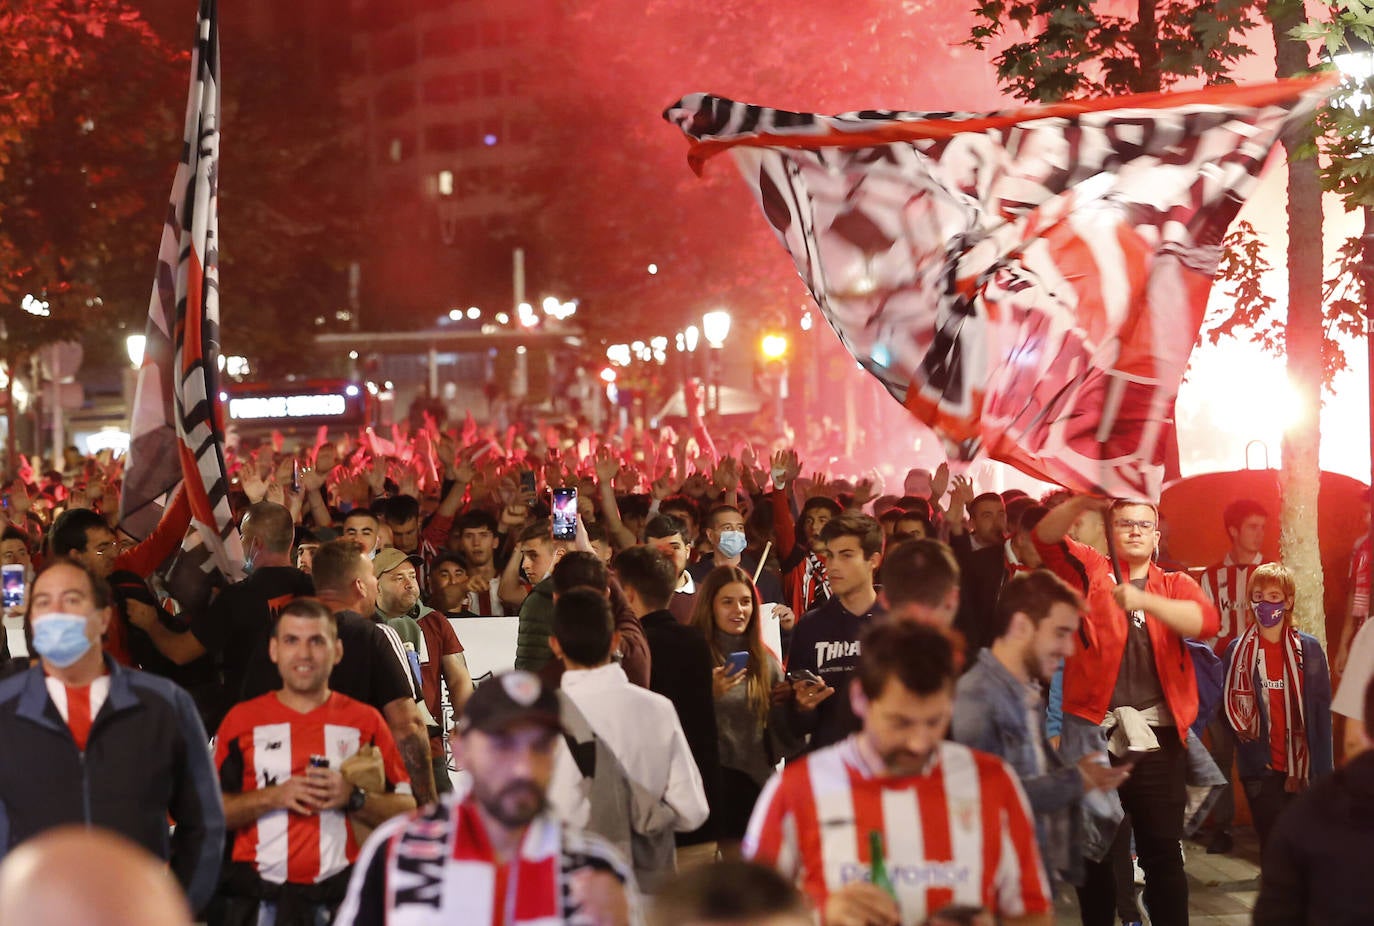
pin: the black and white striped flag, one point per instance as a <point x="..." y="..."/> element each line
<point x="176" y="433"/>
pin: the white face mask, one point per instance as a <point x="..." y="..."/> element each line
<point x="732" y="543"/>
<point x="61" y="638"/>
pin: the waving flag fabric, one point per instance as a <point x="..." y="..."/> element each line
<point x="176" y="433"/>
<point x="1029" y="283"/>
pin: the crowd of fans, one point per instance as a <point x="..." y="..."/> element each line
<point x="931" y="705"/>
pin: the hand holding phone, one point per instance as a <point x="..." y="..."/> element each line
<point x="12" y="586"/>
<point x="1099" y="774"/>
<point x="737" y="662"/>
<point x="565" y="514"/>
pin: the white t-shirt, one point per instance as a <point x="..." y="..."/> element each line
<point x="1359" y="668"/>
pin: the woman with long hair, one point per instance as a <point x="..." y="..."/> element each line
<point x="727" y="614"/>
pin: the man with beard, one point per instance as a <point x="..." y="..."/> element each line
<point x="286" y="799"/>
<point x="950" y="823"/>
<point x="493" y="854"/>
<point x="999" y="707"/>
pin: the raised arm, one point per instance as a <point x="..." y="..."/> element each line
<point x="607" y="468"/>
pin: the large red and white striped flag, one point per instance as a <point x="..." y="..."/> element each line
<point x="175" y="432"/>
<point x="1029" y="283"/>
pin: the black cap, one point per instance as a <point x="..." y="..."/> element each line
<point x="508" y="699"/>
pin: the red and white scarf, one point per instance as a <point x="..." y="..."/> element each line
<point x="440" y="868"/>
<point x="1242" y="702"/>
<point x="815" y="582"/>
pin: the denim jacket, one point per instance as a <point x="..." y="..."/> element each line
<point x="991" y="715"/>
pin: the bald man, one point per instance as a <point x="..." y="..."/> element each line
<point x="88" y="877"/>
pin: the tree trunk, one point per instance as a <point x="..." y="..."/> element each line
<point x="1145" y="38"/>
<point x="1300" y="478"/>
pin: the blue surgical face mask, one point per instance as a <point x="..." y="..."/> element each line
<point x="60" y="638"/>
<point x="732" y="543"/>
<point x="1268" y="613"/>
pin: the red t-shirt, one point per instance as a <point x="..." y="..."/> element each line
<point x="1277" y="703"/>
<point x="440" y="641"/>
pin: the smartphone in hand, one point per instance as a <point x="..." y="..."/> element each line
<point x="736" y="663"/>
<point x="565" y="514"/>
<point x="12" y="586"/>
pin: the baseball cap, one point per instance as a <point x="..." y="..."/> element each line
<point x="388" y="559"/>
<point x="508" y="699"/>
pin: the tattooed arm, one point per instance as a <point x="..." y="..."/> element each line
<point x="412" y="739"/>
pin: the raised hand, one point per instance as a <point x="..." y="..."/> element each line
<point x="250" y="480"/>
<point x="821" y="486"/>
<point x="312" y="480"/>
<point x="662" y="487"/>
<point x="326" y="458"/>
<point x="939" y="482"/>
<point x="962" y="492"/>
<point x="275" y="493"/>
<point x="375" y="473"/>
<point x="607" y="466"/>
<point x="409" y="481"/>
<point x="786" y="467"/>
<point x="864" y="492"/>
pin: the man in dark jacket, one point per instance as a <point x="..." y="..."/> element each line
<point x="1316" y="863"/>
<point x="539" y="553"/>
<point x="682" y="670"/>
<point x="104" y="745"/>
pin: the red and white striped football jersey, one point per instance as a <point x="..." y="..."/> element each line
<point x="262" y="742"/>
<point x="959" y="833"/>
<point x="1226" y="586"/>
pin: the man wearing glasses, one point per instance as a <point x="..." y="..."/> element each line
<point x="85" y="536"/>
<point x="1129" y="690"/>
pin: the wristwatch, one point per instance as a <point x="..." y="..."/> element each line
<point x="356" y="799"/>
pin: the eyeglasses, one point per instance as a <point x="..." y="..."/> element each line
<point x="1134" y="525"/>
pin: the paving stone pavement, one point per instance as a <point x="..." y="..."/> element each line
<point x="1221" y="888"/>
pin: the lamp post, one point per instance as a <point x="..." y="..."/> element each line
<point x="774" y="347"/>
<point x="715" y="327"/>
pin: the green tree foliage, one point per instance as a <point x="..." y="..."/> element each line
<point x="1076" y="48"/>
<point x="75" y="147"/>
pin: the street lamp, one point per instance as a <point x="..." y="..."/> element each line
<point x="136" y="344"/>
<point x="1357" y="66"/>
<point x="716" y="326"/>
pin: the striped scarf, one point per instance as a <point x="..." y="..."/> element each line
<point x="1242" y="702"/>
<point x="440" y="868"/>
<point x="815" y="583"/>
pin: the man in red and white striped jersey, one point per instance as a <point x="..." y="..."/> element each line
<point x="285" y="799"/>
<point x="952" y="824"/>
<point x="1226" y="586"/>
